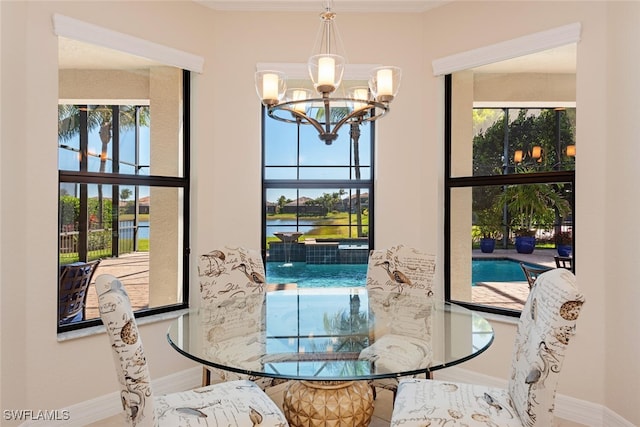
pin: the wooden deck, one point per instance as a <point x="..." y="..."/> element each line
<point x="133" y="271"/>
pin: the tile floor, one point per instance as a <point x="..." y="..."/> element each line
<point x="381" y="414"/>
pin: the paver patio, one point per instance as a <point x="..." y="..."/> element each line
<point x="133" y="270"/>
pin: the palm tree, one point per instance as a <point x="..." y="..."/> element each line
<point x="337" y="114"/>
<point x="99" y="117"/>
<point x="531" y="204"/>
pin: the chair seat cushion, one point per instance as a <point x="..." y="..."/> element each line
<point x="229" y="404"/>
<point x="396" y="353"/>
<point x="421" y="403"/>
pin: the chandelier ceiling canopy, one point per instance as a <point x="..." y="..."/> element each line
<point x="327" y="114"/>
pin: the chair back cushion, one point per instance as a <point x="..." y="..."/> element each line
<point x="547" y="322"/>
<point x="229" y="272"/>
<point x="128" y="354"/>
<point x="401" y="269"/>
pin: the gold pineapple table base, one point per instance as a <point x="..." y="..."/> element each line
<point x="332" y="403"/>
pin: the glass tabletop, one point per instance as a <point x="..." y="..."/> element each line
<point x="330" y="334"/>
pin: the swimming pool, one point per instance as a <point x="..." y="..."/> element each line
<point x="498" y="270"/>
<point x="317" y="275"/>
<point x="347" y="275"/>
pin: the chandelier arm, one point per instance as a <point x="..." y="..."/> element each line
<point x="357" y="115"/>
<point x="325" y="131"/>
<point x="289" y="106"/>
<point x="327" y="113"/>
<point x="302" y="117"/>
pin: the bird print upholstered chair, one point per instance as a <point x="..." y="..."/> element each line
<point x="401" y="269"/>
<point x="230" y="272"/>
<point x="230" y="404"/>
<point x="225" y="275"/>
<point x="409" y="272"/>
<point x="547" y="322"/>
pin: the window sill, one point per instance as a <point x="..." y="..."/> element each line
<point x="95" y="330"/>
<point x="499" y="318"/>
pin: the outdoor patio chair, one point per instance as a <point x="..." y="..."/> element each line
<point x="225" y="274"/>
<point x="235" y="403"/>
<point x="532" y="273"/>
<point x="404" y="270"/>
<point x="564" y="262"/>
<point x="547" y="322"/>
<point x="73" y="283"/>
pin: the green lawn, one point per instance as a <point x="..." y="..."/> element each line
<point x="325" y="226"/>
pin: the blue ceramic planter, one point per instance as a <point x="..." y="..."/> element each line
<point x="564" y="250"/>
<point x="487" y="245"/>
<point x="525" y="244"/>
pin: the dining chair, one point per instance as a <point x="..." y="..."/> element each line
<point x="235" y="403"/>
<point x="546" y="324"/>
<point x="563" y="262"/>
<point x="225" y="274"/>
<point x="401" y="269"/>
<point x="73" y="284"/>
<point x="532" y="273"/>
<point x="404" y="270"/>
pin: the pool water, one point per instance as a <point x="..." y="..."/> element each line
<point x="498" y="270"/>
<point x="317" y="275"/>
<point x="349" y="275"/>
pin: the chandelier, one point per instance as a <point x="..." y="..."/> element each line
<point x="327" y="114"/>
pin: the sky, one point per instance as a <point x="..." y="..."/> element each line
<point x="317" y="159"/>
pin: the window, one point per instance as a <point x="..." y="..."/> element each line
<point x="509" y="189"/>
<point x="317" y="202"/>
<point x="124" y="188"/>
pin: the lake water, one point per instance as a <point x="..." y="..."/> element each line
<point x="275" y="225"/>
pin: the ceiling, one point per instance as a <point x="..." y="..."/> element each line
<point x="73" y="54"/>
<point x="78" y="55"/>
<point x="318" y="5"/>
<point x="561" y="60"/>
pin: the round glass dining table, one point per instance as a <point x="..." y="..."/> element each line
<point x="331" y="342"/>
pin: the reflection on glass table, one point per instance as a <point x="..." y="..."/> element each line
<point x="330" y="340"/>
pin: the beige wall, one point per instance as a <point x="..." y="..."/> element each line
<point x="621" y="149"/>
<point x="601" y="366"/>
<point x="601" y="350"/>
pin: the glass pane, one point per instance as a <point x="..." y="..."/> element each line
<point x="281" y="146"/>
<point x="134" y="154"/>
<point x="324" y="173"/>
<point x="281" y="172"/>
<point x="512" y="140"/>
<point x="68" y="138"/>
<point x="315" y="152"/>
<point x="100" y="149"/>
<point x="498" y="141"/>
<point x="98" y="137"/>
<point x="497" y="227"/>
<point x="362" y="172"/>
<point x="94" y="141"/>
<point x="92" y="228"/>
<point x="281" y="143"/>
<point x="297" y="219"/>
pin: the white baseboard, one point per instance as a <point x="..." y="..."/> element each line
<point x="568" y="408"/>
<point x="109" y="405"/>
